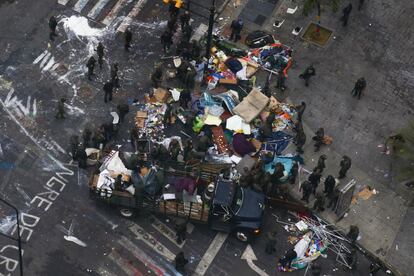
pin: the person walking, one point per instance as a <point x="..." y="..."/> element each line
<point x="61" y="109"/>
<point x="306" y="188"/>
<point x="300" y="109"/>
<point x="181" y="229"/>
<point x="345" y="14"/>
<point x="100" y="51"/>
<point x="108" y="89"/>
<point x="271" y="242"/>
<point x="91" y="66"/>
<point x="307" y="74"/>
<point x="180" y="262"/>
<point x="166" y="41"/>
<point x="360" y="85"/>
<point x="321" y="163"/>
<point x="236" y="28"/>
<point x="318" y="138"/>
<point x="329" y="185"/>
<point x="345" y="164"/>
<point x="52" y="25"/>
<point x="114" y="75"/>
<point x="128" y="39"/>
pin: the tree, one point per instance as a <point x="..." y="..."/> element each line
<point x="403" y="149"/>
<point x="309" y="5"/>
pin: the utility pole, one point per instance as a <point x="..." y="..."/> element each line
<point x="210" y="29"/>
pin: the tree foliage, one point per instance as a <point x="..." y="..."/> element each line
<point x="404" y="151"/>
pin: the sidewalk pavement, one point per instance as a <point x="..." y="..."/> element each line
<point x="385" y="219"/>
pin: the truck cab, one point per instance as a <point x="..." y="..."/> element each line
<point x="236" y="210"/>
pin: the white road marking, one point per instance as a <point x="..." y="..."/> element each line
<point x="80" y="5"/>
<point x="116" y="258"/>
<point x="149" y="240"/>
<point x="45" y="59"/>
<point x="166" y="231"/>
<point x="94" y="12"/>
<point x="133" y="13"/>
<point x="210" y="254"/>
<point x="249" y="256"/>
<point x="105" y="272"/>
<point x="114" y="12"/>
<point x="40" y="57"/>
<point x="49" y="65"/>
<point x="55" y="66"/>
<point x="63" y="2"/>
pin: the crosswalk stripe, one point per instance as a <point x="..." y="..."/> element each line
<point x="166" y="231"/>
<point x="134" y="12"/>
<point x="49" y="64"/>
<point x="40" y="57"/>
<point x="124" y="265"/>
<point x="210" y="254"/>
<point x="114" y="12"/>
<point x="45" y="59"/>
<point x="63" y="2"/>
<point x="80" y="5"/>
<point x="55" y="66"/>
<point x="94" y="12"/>
<point x="141" y="256"/>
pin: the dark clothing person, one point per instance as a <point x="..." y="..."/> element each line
<point x="81" y="157"/>
<point x="114" y="75"/>
<point x="128" y="39"/>
<point x="108" y="89"/>
<point x="181" y="229"/>
<point x="315" y="179"/>
<point x="180" y="262"/>
<point x="333" y="199"/>
<point x="87" y="136"/>
<point x="300" y="141"/>
<point x="345" y="165"/>
<point x="319" y="204"/>
<point x="236" y="28"/>
<point x="321" y="163"/>
<point x="294" y="173"/>
<point x="271" y="242"/>
<point x="156" y="77"/>
<point x="286" y="261"/>
<point x="353" y="233"/>
<point x="187" y="33"/>
<point x="351" y="259"/>
<point x="123" y="110"/>
<point x="306" y="190"/>
<point x="118" y="183"/>
<point x="281" y="78"/>
<point x="318" y="138"/>
<point x="329" y="185"/>
<point x="307" y="74"/>
<point x="346" y="11"/>
<point x="172" y="25"/>
<point x="166" y="41"/>
<point x="61" y="109"/>
<point x="52" y="25"/>
<point x="173" y="10"/>
<point x="91" y="65"/>
<point x="185" y="19"/>
<point x="195" y="50"/>
<point x="300" y="109"/>
<point x="359" y="87"/>
<point x="100" y="52"/>
<point x="99" y="138"/>
<point x="74" y="144"/>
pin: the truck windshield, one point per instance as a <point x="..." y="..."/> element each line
<point x="238" y="200"/>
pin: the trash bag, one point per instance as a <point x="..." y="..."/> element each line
<point x="257" y="39"/>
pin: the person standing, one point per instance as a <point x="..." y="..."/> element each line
<point x="181" y="229"/>
<point x="300" y="141"/>
<point x="236" y="28"/>
<point x="300" y="109"/>
<point x="74" y="143"/>
<point x="306" y="190"/>
<point x="123" y="110"/>
<point x="321" y="163"/>
<point x="307" y="74"/>
<point x="52" y="25"/>
<point x="319" y="204"/>
<point x="345" y="14"/>
<point x="360" y="85"/>
<point x="329" y="185"/>
<point x="315" y="178"/>
<point x="185" y="19"/>
<point x="81" y="157"/>
<point x="128" y="39"/>
<point x="61" y="109"/>
<point x="166" y="41"/>
<point x="271" y="242"/>
<point x="353" y="233"/>
<point x="318" y="138"/>
<point x="333" y="198"/>
<point x="100" y="52"/>
<point x="86" y="137"/>
<point x="108" y="89"/>
<point x="345" y="164"/>
<point x="293" y="173"/>
<point x="91" y="66"/>
<point x="156" y="76"/>
<point x="114" y="75"/>
<point x="281" y="78"/>
<point x="180" y="262"/>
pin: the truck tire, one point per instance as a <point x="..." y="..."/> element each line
<point x="126" y="212"/>
<point x="243" y="236"/>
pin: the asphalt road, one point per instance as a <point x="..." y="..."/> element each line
<point x="52" y="194"/>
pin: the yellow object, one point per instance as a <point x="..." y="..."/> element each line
<point x="166" y="1"/>
<point x="179" y="4"/>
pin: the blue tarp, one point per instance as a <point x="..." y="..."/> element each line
<point x="277" y="143"/>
